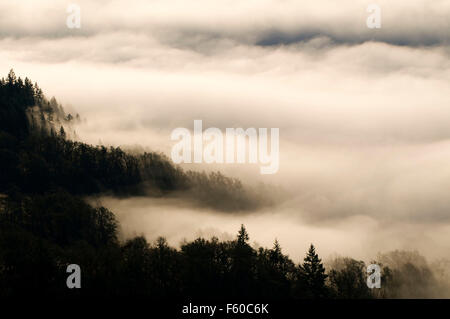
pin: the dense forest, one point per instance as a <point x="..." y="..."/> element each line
<point x="45" y="224"/>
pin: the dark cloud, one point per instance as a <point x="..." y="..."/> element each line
<point x="413" y="23"/>
<point x="274" y="38"/>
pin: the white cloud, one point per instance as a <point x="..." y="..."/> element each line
<point x="363" y="114"/>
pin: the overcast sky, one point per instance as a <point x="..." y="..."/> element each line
<point x="364" y="114"/>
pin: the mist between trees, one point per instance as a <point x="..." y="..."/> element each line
<point x="46" y="224"/>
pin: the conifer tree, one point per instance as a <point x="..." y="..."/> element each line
<point x="11" y="80"/>
<point x="313" y="274"/>
<point x="242" y="237"/>
<point x="62" y="132"/>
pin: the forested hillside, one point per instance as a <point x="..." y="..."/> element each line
<point x="45" y="224"/>
<point x="36" y="156"/>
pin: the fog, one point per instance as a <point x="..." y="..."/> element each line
<point x="363" y="114"/>
<point x="360" y="236"/>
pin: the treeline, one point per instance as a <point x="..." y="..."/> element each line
<point x="41" y="235"/>
<point x="36" y="157"/>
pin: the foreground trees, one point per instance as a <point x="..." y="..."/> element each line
<point x="40" y="235"/>
<point x="348" y="279"/>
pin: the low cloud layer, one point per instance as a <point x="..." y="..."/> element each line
<point x="363" y="113"/>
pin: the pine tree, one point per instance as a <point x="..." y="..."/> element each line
<point x="62" y="132"/>
<point x="242" y="236"/>
<point x="11" y="79"/>
<point x="29" y="92"/>
<point x="313" y="274"/>
<point x="276" y="257"/>
<point x="38" y="95"/>
<point x="243" y="262"/>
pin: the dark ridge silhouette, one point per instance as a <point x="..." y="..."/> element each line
<point x="36" y="156"/>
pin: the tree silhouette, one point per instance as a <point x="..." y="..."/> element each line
<point x="62" y="132"/>
<point x="348" y="279"/>
<point x="242" y="237"/>
<point x="312" y="276"/>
